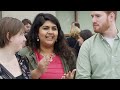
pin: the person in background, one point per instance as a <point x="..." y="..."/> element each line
<point x="74" y="35"/>
<point x="27" y="23"/>
<point x="48" y="53"/>
<point x="99" y="55"/>
<point x="84" y="35"/>
<point x="12" y="39"/>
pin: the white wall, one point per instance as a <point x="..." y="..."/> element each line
<point x="24" y="14"/>
<point x="85" y="20"/>
<point x="65" y="18"/>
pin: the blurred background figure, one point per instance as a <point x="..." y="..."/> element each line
<point x="74" y="35"/>
<point x="27" y="23"/>
<point x="84" y="35"/>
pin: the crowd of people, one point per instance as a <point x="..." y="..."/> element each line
<point x="40" y="50"/>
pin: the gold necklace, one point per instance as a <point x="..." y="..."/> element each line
<point x="51" y="55"/>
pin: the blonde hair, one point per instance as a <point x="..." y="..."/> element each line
<point x="74" y="32"/>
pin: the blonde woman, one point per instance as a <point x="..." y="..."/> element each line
<point x="74" y="35"/>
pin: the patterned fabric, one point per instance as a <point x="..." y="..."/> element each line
<point x="23" y="62"/>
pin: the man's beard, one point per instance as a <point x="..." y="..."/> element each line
<point x="103" y="28"/>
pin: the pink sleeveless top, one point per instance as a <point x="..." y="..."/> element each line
<point x="55" y="68"/>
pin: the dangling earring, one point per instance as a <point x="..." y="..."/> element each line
<point x="37" y="39"/>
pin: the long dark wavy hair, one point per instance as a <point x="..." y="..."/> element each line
<point x="61" y="48"/>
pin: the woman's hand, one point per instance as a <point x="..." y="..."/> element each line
<point x="69" y="75"/>
<point x="43" y="64"/>
<point x="42" y="67"/>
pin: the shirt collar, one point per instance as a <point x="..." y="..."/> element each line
<point x="116" y="37"/>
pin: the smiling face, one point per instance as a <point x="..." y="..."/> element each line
<point x="48" y="34"/>
<point x="100" y="21"/>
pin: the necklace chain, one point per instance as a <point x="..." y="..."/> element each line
<point x="51" y="55"/>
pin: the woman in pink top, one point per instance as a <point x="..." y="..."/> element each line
<point x="48" y="53"/>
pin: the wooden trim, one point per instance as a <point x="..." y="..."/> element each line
<point x="76" y="16"/>
<point x="67" y="35"/>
